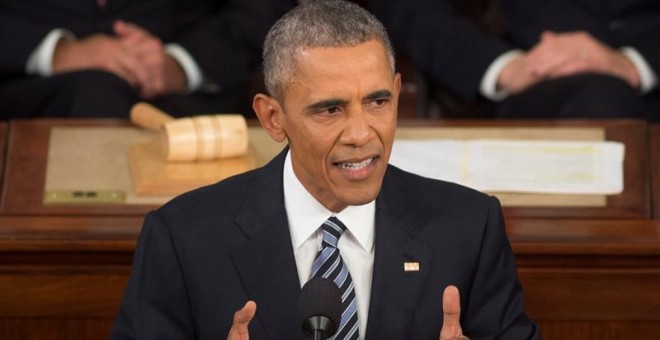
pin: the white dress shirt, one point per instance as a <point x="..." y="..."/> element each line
<point x="356" y="245"/>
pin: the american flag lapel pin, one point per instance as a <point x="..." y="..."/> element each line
<point x="410" y="266"/>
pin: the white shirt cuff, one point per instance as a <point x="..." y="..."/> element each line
<point x="488" y="86"/>
<point x="647" y="78"/>
<point x="190" y="68"/>
<point x="40" y="61"/>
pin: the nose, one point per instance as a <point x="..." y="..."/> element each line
<point x="358" y="130"/>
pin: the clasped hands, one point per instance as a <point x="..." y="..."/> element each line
<point x="132" y="54"/>
<point x="451" y="326"/>
<point x="563" y="54"/>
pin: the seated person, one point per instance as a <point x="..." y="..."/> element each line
<point x="554" y="59"/>
<point x="86" y="58"/>
<point x="229" y="260"/>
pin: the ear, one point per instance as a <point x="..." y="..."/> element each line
<point x="270" y="113"/>
<point x="397" y="91"/>
<point x="397" y="84"/>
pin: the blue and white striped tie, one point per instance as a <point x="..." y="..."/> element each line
<point x="328" y="264"/>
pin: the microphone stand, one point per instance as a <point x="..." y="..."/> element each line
<point x="319" y="335"/>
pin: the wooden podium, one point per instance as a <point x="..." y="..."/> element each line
<point x="588" y="272"/>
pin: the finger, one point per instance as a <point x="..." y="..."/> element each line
<point x="156" y="69"/>
<point x="546" y="58"/>
<point x="123" y="28"/>
<point x="113" y="66"/>
<point x="545" y="35"/>
<point x="132" y="64"/>
<point x="143" y="57"/>
<point x="451" y="311"/>
<point x="242" y="318"/>
<point x="569" y="68"/>
<point x="130" y="34"/>
<point x="153" y="65"/>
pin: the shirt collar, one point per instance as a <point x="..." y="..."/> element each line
<point x="306" y="214"/>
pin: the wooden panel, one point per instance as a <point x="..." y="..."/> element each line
<point x="592" y="294"/>
<point x="3" y="146"/>
<point x="590" y="279"/>
<point x="63" y="277"/>
<point x="55" y="329"/>
<point x="62" y="295"/>
<point x="67" y="234"/>
<point x="596" y="330"/>
<point x="562" y="238"/>
<point x="655" y="168"/>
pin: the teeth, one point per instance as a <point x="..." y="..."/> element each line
<point x="356" y="166"/>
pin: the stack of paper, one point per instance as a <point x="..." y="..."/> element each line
<point x="517" y="166"/>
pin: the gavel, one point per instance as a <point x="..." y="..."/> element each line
<point x="197" y="138"/>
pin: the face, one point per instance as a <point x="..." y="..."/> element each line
<point x="339" y="116"/>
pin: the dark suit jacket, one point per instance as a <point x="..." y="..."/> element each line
<point x="224" y="36"/>
<point x="203" y="255"/>
<point x="455" y="52"/>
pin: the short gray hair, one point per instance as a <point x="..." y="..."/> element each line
<point x="317" y="23"/>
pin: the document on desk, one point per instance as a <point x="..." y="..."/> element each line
<point x="554" y="167"/>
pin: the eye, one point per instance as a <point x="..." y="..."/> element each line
<point x="332" y="110"/>
<point x="378" y="103"/>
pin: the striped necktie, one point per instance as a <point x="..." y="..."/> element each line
<point x="329" y="264"/>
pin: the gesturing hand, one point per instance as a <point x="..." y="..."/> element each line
<point x="242" y="318"/>
<point x="451" y="310"/>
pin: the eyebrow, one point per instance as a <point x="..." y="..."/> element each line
<point x="325" y="104"/>
<point x="341" y="102"/>
<point x="378" y="95"/>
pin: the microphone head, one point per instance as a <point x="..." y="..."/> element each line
<point x="319" y="306"/>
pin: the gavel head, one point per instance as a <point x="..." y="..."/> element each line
<point x="206" y="137"/>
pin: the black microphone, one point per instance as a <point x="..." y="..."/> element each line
<point x="319" y="308"/>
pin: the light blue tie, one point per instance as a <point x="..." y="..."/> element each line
<point x="329" y="264"/>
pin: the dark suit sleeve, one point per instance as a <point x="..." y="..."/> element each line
<point x="649" y="47"/>
<point x="155" y="304"/>
<point x="445" y="45"/>
<point x="18" y="38"/>
<point x="495" y="303"/>
<point x="227" y="43"/>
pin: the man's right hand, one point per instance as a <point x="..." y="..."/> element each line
<point x="242" y="318"/>
<point x="515" y="76"/>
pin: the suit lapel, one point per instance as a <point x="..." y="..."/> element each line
<point x="266" y="263"/>
<point x="395" y="292"/>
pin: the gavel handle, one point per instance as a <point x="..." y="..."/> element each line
<point x="148" y="116"/>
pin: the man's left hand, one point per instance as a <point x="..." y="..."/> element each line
<point x="451" y="310"/>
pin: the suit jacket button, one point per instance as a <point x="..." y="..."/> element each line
<point x="616" y="25"/>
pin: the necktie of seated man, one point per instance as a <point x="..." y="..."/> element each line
<point x="329" y="264"/>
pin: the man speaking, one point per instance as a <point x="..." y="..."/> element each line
<point x="413" y="258"/>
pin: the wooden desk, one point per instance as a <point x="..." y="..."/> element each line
<point x="655" y="168"/>
<point x="588" y="273"/>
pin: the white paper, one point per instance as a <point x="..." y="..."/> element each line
<point x="517" y="166"/>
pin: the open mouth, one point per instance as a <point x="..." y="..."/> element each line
<point x="356" y="165"/>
